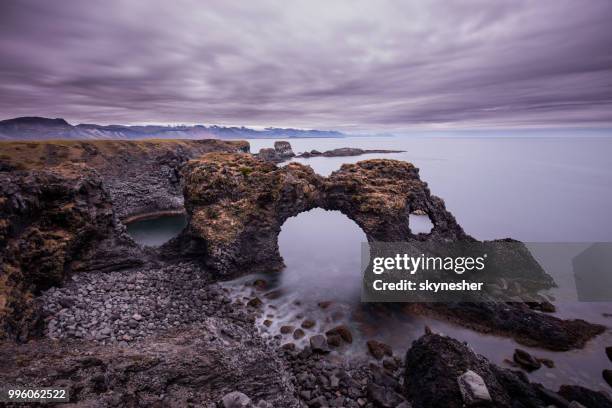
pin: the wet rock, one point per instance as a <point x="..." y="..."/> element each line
<point x="267" y="323"/>
<point x="255" y="302"/>
<point x="378" y="350"/>
<point x="390" y="364"/>
<point x="286" y="329"/>
<point x="288" y="346"/>
<point x="298" y="334"/>
<point x="526" y="360"/>
<point x="325" y="304"/>
<point x="318" y="344"/>
<point x="609" y="352"/>
<point x="547" y="362"/>
<point x="334" y="340"/>
<point x="260" y="284"/>
<point x="343" y="331"/>
<point x="473" y="389"/>
<point x="308" y="324"/>
<point x="235" y="400"/>
<point x="586" y="397"/>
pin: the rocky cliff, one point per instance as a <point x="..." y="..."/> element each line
<point x="141" y="176"/>
<point x="54" y="222"/>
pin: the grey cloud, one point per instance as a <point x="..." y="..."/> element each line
<point x="354" y="65"/>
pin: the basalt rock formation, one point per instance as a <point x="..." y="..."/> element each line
<point x="282" y="151"/>
<point x="141" y="176"/>
<point x="435" y="376"/>
<point x="237" y="204"/>
<point x="61" y="205"/>
<point x="54" y="222"/>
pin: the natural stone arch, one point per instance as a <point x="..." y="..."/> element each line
<point x="236" y="205"/>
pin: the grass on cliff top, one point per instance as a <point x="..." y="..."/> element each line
<point x="25" y="155"/>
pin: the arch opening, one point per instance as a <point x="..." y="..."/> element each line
<point x="322" y="253"/>
<point x="419" y="222"/>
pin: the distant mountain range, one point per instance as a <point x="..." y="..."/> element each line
<point x="37" y="128"/>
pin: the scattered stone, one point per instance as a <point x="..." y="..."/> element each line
<point x="378" y="350"/>
<point x="267" y="323"/>
<point x="526" y="360"/>
<point x="334" y="340"/>
<point x="308" y="324"/>
<point x="318" y="344"/>
<point x="343" y="331"/>
<point x="235" y="399"/>
<point x="325" y="304"/>
<point x="473" y="389"/>
<point x="286" y="329"/>
<point x="390" y="364"/>
<point x="255" y="302"/>
<point x="288" y="346"/>
<point x="298" y="334"/>
<point x="260" y="284"/>
<point x="547" y="362"/>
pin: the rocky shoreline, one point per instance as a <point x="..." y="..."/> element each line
<point x="84" y="307"/>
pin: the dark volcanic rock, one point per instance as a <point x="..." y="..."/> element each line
<point x="586" y="397"/>
<point x="53" y="223"/>
<point x="141" y="176"/>
<point x="526" y="360"/>
<point x="344" y="151"/>
<point x="184" y="367"/>
<point x="342" y="331"/>
<point x="237" y="204"/>
<point x="518" y="321"/>
<point x="435" y="364"/>
<point x="378" y="349"/>
<point x="282" y="151"/>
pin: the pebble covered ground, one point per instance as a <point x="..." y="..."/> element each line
<point x="127" y="306"/>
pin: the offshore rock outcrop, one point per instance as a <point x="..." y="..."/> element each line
<point x="344" y="152"/>
<point x="237" y="204"/>
<point x="282" y="151"/>
<point x="54" y="222"/>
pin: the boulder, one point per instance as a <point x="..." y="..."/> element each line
<point x="473" y="389"/>
<point x="378" y="350"/>
<point x="318" y="344"/>
<point x="343" y="331"/>
<point x="526" y="360"/>
<point x="235" y="399"/>
<point x="443" y="372"/>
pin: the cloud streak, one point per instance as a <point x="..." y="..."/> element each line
<point x="352" y="66"/>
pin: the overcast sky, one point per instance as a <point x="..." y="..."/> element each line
<point x="352" y="66"/>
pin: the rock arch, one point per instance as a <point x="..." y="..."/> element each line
<point x="236" y="205"/>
